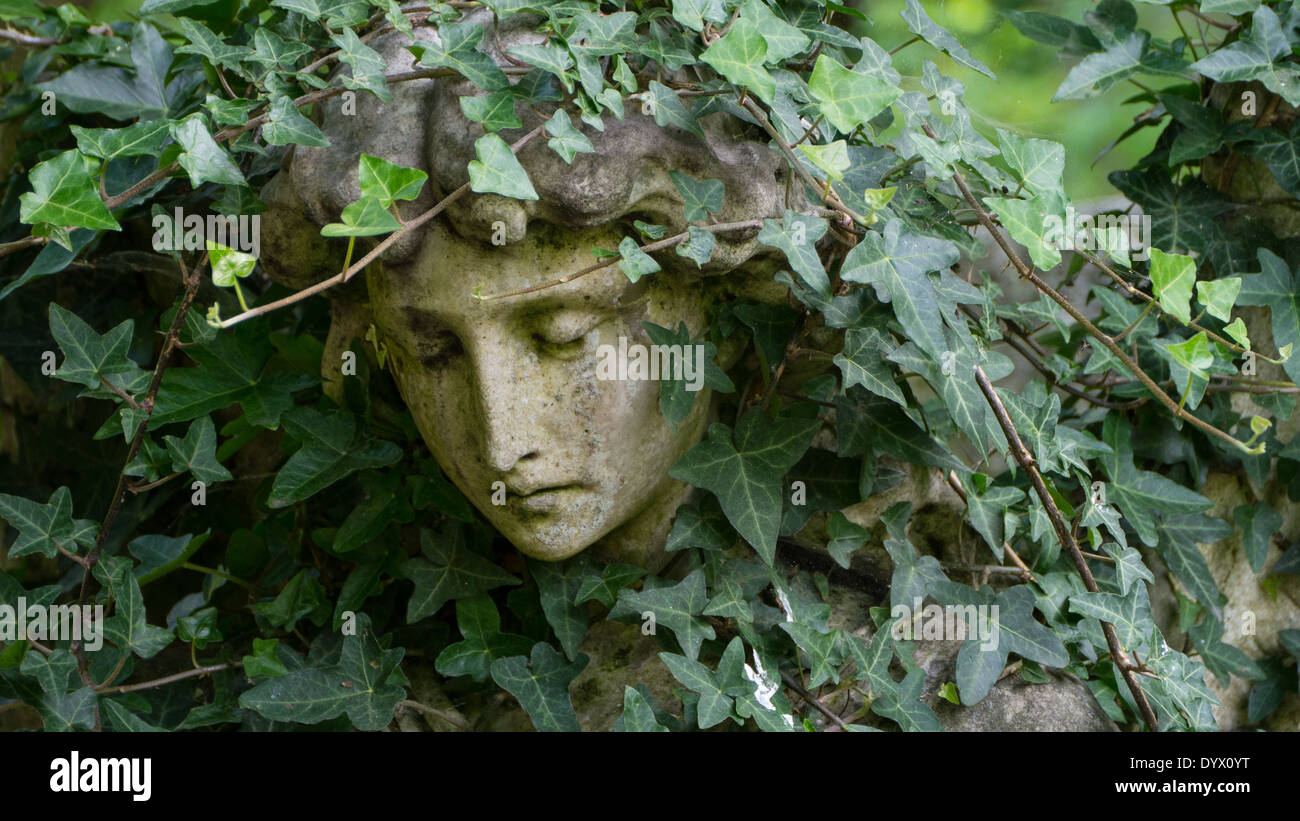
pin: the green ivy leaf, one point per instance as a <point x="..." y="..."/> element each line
<point x="898" y="265"/>
<point x="1219" y="296"/>
<point x="678" y="608"/>
<point x="63" y="194"/>
<point x="367" y="65"/>
<point x="497" y="170"/>
<point x="557" y="585"/>
<point x="847" y="98"/>
<point x="1278" y="289"/>
<point x="458" y="50"/>
<point x="201" y="157"/>
<point x="1040" y="164"/>
<point x="1097" y="73"/>
<point x="715" y="705"/>
<point x="700" y="198"/>
<point x="302" y="597"/>
<point x="698" y="246"/>
<point x="566" y="140"/>
<point x="286" y="125"/>
<point x="388" y="182"/>
<point x="638" y="715"/>
<point x="331" y="449"/>
<point x="449" y="570"/>
<point x="1172" y="277"/>
<point x="739" y="56"/>
<point x="1140" y="494"/>
<point x="635" y="263"/>
<point x="796" y="235"/>
<point x="362" y="685"/>
<point x="744" y="469"/>
<point x="483" y="643"/>
<point x="1256" y="56"/>
<point x="495" y="111"/>
<point x="367" y="217"/>
<point x="44" y="528"/>
<point x="197" y="452"/>
<point x="905" y="706"/>
<point x="541" y="683"/>
<point x="140" y="140"/>
<point x="88" y="356"/>
<point x="920" y="24"/>
<point x="1129" y="567"/>
<point x="604" y="588"/>
<point x="126" y="628"/>
<point x="1257" y="523"/>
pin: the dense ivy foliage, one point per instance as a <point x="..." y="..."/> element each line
<point x="293" y="552"/>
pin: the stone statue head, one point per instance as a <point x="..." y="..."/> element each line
<point x="506" y="390"/>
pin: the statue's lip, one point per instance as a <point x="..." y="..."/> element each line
<point x="524" y="491"/>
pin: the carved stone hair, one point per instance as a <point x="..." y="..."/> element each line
<point x="424" y="127"/>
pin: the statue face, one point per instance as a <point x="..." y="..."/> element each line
<point x="507" y="390"/>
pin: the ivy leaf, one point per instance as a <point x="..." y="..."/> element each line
<point x="333" y="12"/>
<point x="863" y="363"/>
<point x="604" y="588"/>
<point x="566" y="140"/>
<point x="1140" y="494"/>
<point x="44" y="528"/>
<point x="715" y="705"/>
<point x="848" y="99"/>
<point x="635" y="263"/>
<point x="1130" y="614"/>
<point x="1280" y="152"/>
<point x="367" y="217"/>
<point x="201" y="157"/>
<point x="1040" y="164"/>
<point x="698" y="246"/>
<point x="1278" y="289"/>
<point x="385" y="503"/>
<point x="548" y="57"/>
<point x="197" y="452"/>
<point x="729" y="602"/>
<point x="905" y="706"/>
<point x="796" y="235"/>
<point x="120" y="93"/>
<point x="458" y="50"/>
<point x="302" y="597"/>
<point x="783" y="40"/>
<point x="881" y="427"/>
<point x="670" y="111"/>
<point x="1183" y="217"/>
<point x="366" y="64"/>
<point x="271" y="50"/>
<point x="209" y="46"/>
<point x="388" y="182"/>
<point x="898" y="265"/>
<point x="1129" y="567"/>
<point x="832" y="158"/>
<point x="1098" y="72"/>
<point x="920" y="24"/>
<point x="845" y="537"/>
<point x="358" y="685"/>
<point x="1172" y="277"/>
<point x="1222" y="658"/>
<point x="1256" y="55"/>
<point x="1177" y="540"/>
<point x="823" y="650"/>
<point x="264" y="662"/>
<point x="985" y="511"/>
<point x="1030" y="223"/>
<point x="913" y="573"/>
<point x="140" y="140"/>
<point x="744" y="469"/>
<point x="638" y="715"/>
<point x="483" y="643"/>
<point x="233" y="367"/>
<point x="63" y="194"/>
<point x="127" y="628"/>
<point x="68" y="712"/>
<point x="678" y="608"/>
<point x="700" y="198"/>
<point x="449" y="570"/>
<point x="1257" y="523"/>
<point x="286" y="125"/>
<point x="1019" y="633"/>
<point x="541" y="683"/>
<point x="51" y="672"/>
<point x="739" y="56"/>
<point x="89" y="356"/>
<point x="693" y="13"/>
<point x="1219" y="296"/>
<point x="331" y="449"/>
<point x="495" y="111"/>
<point x="498" y="171"/>
<point x="228" y="265"/>
<point x="557" y="585"/>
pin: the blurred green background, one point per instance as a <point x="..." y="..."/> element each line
<point x="1028" y="73"/>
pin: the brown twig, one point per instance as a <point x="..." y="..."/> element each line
<point x="165" y="680"/>
<point x="1030" y="466"/>
<point x="812" y="700"/>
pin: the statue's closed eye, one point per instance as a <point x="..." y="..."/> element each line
<point x="564" y="333"/>
<point x="437" y="349"/>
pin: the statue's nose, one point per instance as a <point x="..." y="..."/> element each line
<point x="511" y="428"/>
